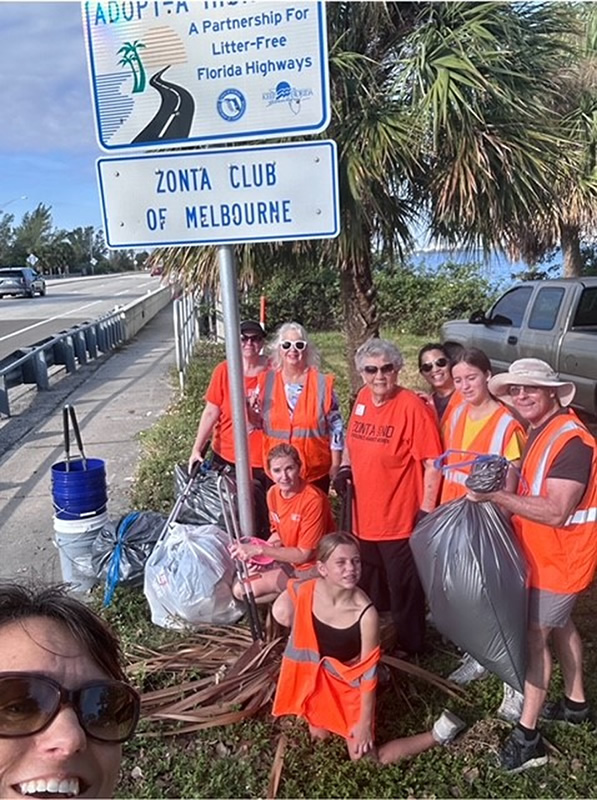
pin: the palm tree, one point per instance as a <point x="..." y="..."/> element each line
<point x="439" y="109"/>
<point x="131" y="58"/>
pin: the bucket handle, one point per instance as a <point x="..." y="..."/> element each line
<point x="67" y="411"/>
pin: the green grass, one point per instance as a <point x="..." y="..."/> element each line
<point x="235" y="761"/>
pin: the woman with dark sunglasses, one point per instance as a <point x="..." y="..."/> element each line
<point x="65" y="704"/>
<point x="392" y="441"/>
<point x="435" y="367"/>
<point x="299" y="405"/>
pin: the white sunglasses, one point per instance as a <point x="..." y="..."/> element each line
<point x="288" y="344"/>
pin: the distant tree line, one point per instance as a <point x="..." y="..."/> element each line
<point x="81" y="250"/>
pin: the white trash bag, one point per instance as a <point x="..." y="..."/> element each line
<point x="188" y="578"/>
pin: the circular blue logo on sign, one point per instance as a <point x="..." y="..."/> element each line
<point x="283" y="91"/>
<point x="231" y="105"/>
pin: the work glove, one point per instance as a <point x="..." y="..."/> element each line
<point x="343" y="477"/>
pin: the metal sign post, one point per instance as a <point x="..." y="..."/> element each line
<point x="237" y="390"/>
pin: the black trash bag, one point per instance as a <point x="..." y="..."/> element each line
<point x="202" y="505"/>
<point x="474" y="576"/>
<point x="121" y="549"/>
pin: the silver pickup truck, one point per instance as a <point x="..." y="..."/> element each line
<point x="555" y="320"/>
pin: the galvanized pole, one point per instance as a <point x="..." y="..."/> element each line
<point x="237" y="389"/>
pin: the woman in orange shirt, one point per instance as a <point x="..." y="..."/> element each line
<point x="300" y="515"/>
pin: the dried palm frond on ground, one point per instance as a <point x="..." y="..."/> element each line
<point x="218" y="676"/>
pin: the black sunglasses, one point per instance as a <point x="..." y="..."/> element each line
<point x="440" y="362"/>
<point x="385" y="369"/>
<point x="107" y="710"/>
<point x="244" y="337"/>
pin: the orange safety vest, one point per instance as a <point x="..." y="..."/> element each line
<point x="491" y="439"/>
<point x="308" y="429"/>
<point x="324" y="691"/>
<point x="560" y="559"/>
<point x="453" y="403"/>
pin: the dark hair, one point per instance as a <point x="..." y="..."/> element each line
<point x="329" y="542"/>
<point x="283" y="450"/>
<point x="474" y="358"/>
<point x="432" y="346"/>
<point x="18" y="602"/>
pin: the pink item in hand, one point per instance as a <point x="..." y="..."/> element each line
<point x="260" y="561"/>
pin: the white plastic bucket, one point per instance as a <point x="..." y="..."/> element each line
<point x="74" y="540"/>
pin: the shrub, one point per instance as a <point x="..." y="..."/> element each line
<point x="418" y="300"/>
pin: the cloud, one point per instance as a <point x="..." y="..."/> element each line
<point x="44" y="94"/>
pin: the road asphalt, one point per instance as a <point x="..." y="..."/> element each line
<point x="115" y="399"/>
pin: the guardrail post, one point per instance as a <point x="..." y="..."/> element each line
<point x="80" y="347"/>
<point x="91" y="341"/>
<point x="4" y="404"/>
<point x="64" y="353"/>
<point x="41" y="370"/>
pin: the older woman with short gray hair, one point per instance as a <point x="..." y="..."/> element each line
<point x="392" y="442"/>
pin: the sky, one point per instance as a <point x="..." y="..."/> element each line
<point x="48" y="145"/>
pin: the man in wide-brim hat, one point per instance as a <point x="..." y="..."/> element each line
<point x="554" y="514"/>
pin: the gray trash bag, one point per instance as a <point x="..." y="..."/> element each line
<point x="121" y="549"/>
<point x="474" y="576"/>
<point x="188" y="578"/>
<point x="202" y="505"/>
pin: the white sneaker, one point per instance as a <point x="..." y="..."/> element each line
<point x="511" y="706"/>
<point x="447" y="727"/>
<point x="469" y="670"/>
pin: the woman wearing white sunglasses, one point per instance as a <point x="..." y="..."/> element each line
<point x="299" y="406"/>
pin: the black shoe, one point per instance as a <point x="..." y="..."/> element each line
<point x="519" y="754"/>
<point x="559" y="712"/>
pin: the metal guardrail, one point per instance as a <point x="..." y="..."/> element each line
<point x="77" y="345"/>
<point x="186" y="332"/>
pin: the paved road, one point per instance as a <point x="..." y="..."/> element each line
<point x="122" y="394"/>
<point x="24" y="321"/>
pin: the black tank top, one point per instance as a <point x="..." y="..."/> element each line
<point x="341" y="643"/>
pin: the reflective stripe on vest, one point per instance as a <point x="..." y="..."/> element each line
<point x="305" y="656"/>
<point x="456" y="476"/>
<point x="540" y="473"/>
<point x="298" y="433"/>
<point x="497" y="440"/>
<point x="586" y="515"/>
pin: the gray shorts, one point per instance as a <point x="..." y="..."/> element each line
<point x="550" y="609"/>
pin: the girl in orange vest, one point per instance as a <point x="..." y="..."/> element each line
<point x="480" y="424"/>
<point x="329" y="669"/>
<point x="300" y="514"/>
<point x="299" y="406"/>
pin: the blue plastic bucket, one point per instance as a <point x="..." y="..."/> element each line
<point x="78" y="493"/>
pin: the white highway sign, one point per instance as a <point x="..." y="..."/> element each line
<point x="165" y="72"/>
<point x="236" y="194"/>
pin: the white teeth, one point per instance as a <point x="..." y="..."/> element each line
<point x="68" y="786"/>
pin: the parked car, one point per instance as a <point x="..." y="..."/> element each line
<point x="555" y="320"/>
<point x="21" y="281"/>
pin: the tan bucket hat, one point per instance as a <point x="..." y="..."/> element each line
<point x="530" y="372"/>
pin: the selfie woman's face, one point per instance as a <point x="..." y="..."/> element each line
<point x="61" y="760"/>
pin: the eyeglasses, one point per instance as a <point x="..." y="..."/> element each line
<point x="385" y="369"/>
<point x="245" y="338"/>
<point x="515" y="390"/>
<point x="107" y="710"/>
<point x="428" y="366"/>
<point x="299" y="344"/>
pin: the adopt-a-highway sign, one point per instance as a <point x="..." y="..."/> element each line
<point x="165" y="72"/>
<point x="228" y="195"/>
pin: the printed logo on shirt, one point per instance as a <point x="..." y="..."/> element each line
<point x="370" y="432"/>
<point x="359" y="409"/>
<point x="295" y="517"/>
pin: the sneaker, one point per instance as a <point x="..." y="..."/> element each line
<point x="519" y="754"/>
<point x="469" y="670"/>
<point x="511" y="706"/>
<point x="447" y="727"/>
<point x="559" y="712"/>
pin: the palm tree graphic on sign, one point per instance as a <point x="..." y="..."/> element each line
<point x="130" y="58"/>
